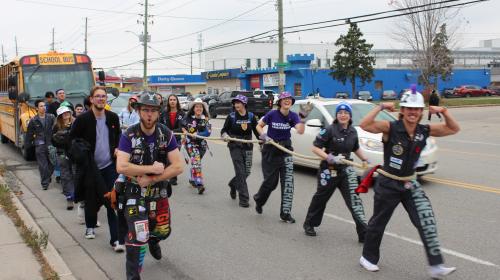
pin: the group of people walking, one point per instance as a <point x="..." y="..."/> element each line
<point x="135" y="163"/>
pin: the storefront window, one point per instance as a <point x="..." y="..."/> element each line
<point x="269" y="63"/>
<point x="248" y="63"/>
<point x="259" y="63"/>
<point x="297" y="89"/>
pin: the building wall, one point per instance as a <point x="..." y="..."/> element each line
<point x="195" y="89"/>
<point x="220" y="86"/>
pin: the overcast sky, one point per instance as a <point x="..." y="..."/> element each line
<point x="109" y="43"/>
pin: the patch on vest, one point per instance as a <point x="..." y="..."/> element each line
<point x="397" y="150"/>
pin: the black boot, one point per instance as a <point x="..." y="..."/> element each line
<point x="232" y="192"/>
<point x="173" y="181"/>
<point x="154" y="249"/>
<point x="309" y="230"/>
<point x="201" y="189"/>
<point x="258" y="207"/>
<point x="244" y="204"/>
<point x="287" y="218"/>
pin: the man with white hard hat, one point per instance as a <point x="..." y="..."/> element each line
<point x="404" y="140"/>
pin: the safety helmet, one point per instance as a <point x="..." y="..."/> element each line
<point x="343" y="106"/>
<point x="65" y="104"/>
<point x="412" y="98"/>
<point x="62" y="109"/>
<point x="240" y="98"/>
<point x="283" y="95"/>
<point x="147" y="98"/>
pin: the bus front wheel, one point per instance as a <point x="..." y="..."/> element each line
<point x="4" y="139"/>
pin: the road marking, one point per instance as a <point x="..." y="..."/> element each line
<point x="463" y="185"/>
<point x="468" y="153"/>
<point x="469" y="142"/>
<point x="416" y="242"/>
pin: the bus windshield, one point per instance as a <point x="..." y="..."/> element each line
<point x="76" y="79"/>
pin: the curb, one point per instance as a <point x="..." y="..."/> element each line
<point x="50" y="253"/>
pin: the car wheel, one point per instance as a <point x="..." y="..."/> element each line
<point x="467" y="95"/>
<point x="4" y="139"/>
<point x="212" y="112"/>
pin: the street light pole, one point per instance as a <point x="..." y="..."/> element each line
<point x="145" y="44"/>
<point x="281" y="70"/>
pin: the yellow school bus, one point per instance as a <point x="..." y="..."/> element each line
<point x="24" y="80"/>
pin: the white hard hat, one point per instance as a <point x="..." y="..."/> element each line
<point x="198" y="101"/>
<point x="62" y="109"/>
<point x="412" y="99"/>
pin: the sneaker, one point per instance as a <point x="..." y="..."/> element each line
<point x="58" y="179"/>
<point x="70" y="205"/>
<point x="119" y="248"/>
<point x="173" y="182"/>
<point x="287" y="218"/>
<point x="45" y="188"/>
<point x="201" y="189"/>
<point x="80" y="213"/>
<point x="90" y="233"/>
<point x="439" y="271"/>
<point x="155" y="249"/>
<point x="191" y="182"/>
<point x="368" y="265"/>
<point x="258" y="207"/>
<point x="309" y="230"/>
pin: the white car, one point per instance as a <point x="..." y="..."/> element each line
<point x="370" y="143"/>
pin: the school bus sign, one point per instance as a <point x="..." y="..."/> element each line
<point x="56" y="59"/>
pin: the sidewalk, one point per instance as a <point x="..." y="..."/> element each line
<point x="17" y="260"/>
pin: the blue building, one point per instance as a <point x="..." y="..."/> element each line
<point x="301" y="80"/>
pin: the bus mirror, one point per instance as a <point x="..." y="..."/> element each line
<point x="12" y="80"/>
<point x="113" y="91"/>
<point x="12" y="93"/>
<point x="101" y="75"/>
<point x="23" y="97"/>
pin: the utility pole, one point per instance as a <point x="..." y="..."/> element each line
<point x="200" y="47"/>
<point x="3" y="56"/>
<point x="85" y="51"/>
<point x="281" y="69"/>
<point x="145" y="43"/>
<point x="15" y="41"/>
<point x="53" y="40"/>
<point x="191" y="61"/>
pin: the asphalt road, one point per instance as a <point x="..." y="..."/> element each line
<point x="213" y="238"/>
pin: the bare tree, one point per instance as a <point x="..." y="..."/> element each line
<point x="419" y="30"/>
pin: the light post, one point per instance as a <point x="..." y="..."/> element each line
<point x="314" y="68"/>
<point x="145" y="65"/>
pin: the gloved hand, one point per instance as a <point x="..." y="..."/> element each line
<point x="111" y="195"/>
<point x="225" y="137"/>
<point x="331" y="159"/>
<point x="265" y="138"/>
<point x="305" y="109"/>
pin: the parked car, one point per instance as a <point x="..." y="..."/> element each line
<point x="494" y="89"/>
<point x="222" y="106"/>
<point x="183" y="100"/>
<point x="342" y="95"/>
<point x="371" y="144"/>
<point x="472" y="91"/>
<point x="118" y="103"/>
<point x="266" y="93"/>
<point x="448" y="93"/>
<point x="389" y="94"/>
<point x="365" y="95"/>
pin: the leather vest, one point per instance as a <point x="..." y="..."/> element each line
<point x="401" y="153"/>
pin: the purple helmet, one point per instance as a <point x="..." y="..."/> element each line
<point x="240" y="98"/>
<point x="285" y="94"/>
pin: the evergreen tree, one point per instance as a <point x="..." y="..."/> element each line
<point x="353" y="59"/>
<point x="442" y="61"/>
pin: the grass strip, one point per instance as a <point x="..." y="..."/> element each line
<point x="36" y="241"/>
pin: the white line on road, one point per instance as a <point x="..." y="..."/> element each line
<point x="416" y="242"/>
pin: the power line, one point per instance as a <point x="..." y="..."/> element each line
<point x="266" y="34"/>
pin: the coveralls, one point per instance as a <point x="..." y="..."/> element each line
<point x="401" y="155"/>
<point x="196" y="147"/>
<point x="276" y="164"/>
<point x="174" y="122"/>
<point x="338" y="141"/>
<point x="39" y="133"/>
<point x="241" y="127"/>
<point x="146" y="210"/>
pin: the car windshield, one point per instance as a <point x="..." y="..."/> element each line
<point x="74" y="79"/>
<point x="359" y="110"/>
<point x="118" y="103"/>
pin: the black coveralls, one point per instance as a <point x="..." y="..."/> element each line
<point x="177" y="127"/>
<point x="401" y="154"/>
<point x="146" y="210"/>
<point x="39" y="134"/>
<point x="337" y="140"/>
<point x="241" y="127"/>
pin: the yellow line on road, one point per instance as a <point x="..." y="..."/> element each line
<point x="463" y="185"/>
<point x="468" y="153"/>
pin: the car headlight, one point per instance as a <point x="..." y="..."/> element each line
<point x="431" y="144"/>
<point x="371" y="144"/>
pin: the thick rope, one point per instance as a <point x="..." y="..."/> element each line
<point x="278" y="146"/>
